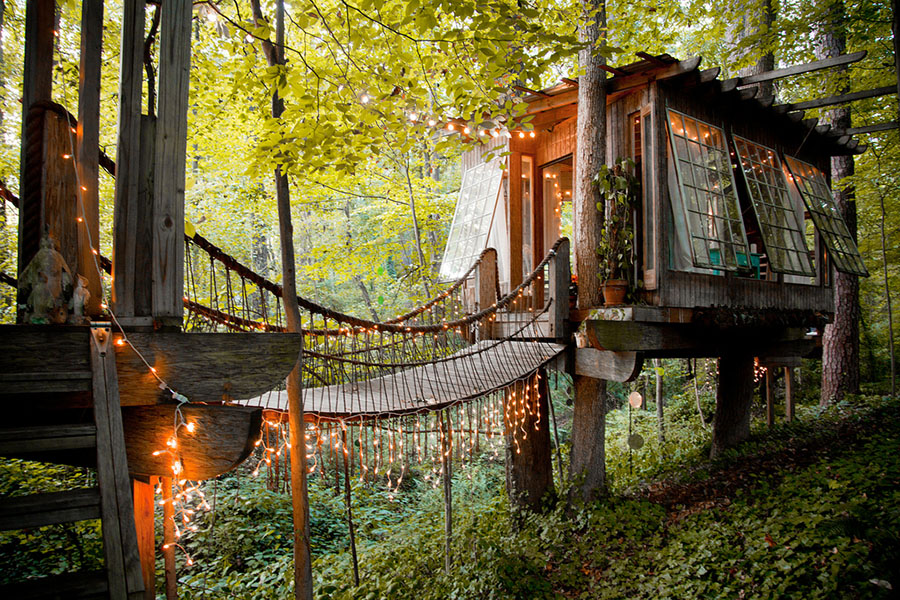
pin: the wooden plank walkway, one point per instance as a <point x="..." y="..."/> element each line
<point x="476" y="371"/>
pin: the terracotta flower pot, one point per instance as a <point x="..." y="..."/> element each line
<point x="614" y="292"/>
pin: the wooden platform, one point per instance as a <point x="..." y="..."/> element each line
<point x="476" y="371"/>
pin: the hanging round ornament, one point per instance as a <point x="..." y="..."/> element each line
<point x="635" y="399"/>
<point x="635" y="441"/>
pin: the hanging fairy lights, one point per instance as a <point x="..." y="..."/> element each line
<point x="188" y="498"/>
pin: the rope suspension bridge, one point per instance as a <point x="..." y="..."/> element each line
<point x="465" y="364"/>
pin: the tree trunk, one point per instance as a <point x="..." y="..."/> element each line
<point x="587" y="463"/>
<point x="840" y="345"/>
<point x="591" y="153"/>
<point x="731" y="423"/>
<point x="299" y="492"/>
<point x="759" y="25"/>
<point x="529" y="468"/>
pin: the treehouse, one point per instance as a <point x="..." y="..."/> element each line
<point x="735" y="233"/>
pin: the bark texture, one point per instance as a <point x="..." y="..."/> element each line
<point x="731" y="423"/>
<point x="529" y="469"/>
<point x="757" y="27"/>
<point x="840" y="344"/>
<point x="590" y="154"/>
<point x="587" y="463"/>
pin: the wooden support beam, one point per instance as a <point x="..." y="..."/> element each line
<point x="873" y="128"/>
<point x="223" y="437"/>
<point x="88" y="149"/>
<point x="613" y="70"/>
<point x="748" y="94"/>
<point x="168" y="548"/>
<point x="205" y="367"/>
<point x="734" y="396"/>
<point x="709" y="75"/>
<point x="514" y="202"/>
<point x="654" y="59"/>
<point x="789" y="394"/>
<point x="486" y="288"/>
<point x="559" y="280"/>
<point x="842" y="99"/>
<point x="144" y="521"/>
<point x="611" y="366"/>
<point x="766" y="101"/>
<point x="171" y="146"/>
<point x="123" y="562"/>
<point x="770" y="398"/>
<point x="37" y="85"/>
<point x="126" y="221"/>
<point x="844" y="59"/>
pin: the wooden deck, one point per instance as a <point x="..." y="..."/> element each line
<point x="476" y="371"/>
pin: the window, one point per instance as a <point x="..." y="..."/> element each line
<point x="472" y="219"/>
<point x="708" y="195"/>
<point x="528" y="238"/>
<point x="779" y="223"/>
<point x="828" y="220"/>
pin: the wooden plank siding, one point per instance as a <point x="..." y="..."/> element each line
<point x="746" y="119"/>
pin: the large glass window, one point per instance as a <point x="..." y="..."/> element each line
<point x="472" y="219"/>
<point x="828" y="220"/>
<point x="779" y="224"/>
<point x="708" y="194"/>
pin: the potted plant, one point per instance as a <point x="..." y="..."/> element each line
<point x="618" y="192"/>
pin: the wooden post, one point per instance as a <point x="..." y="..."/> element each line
<point x="515" y="219"/>
<point x="486" y="289"/>
<point x="171" y="145"/>
<point x="37" y="84"/>
<point x="559" y="279"/>
<point x="347" y="451"/>
<point x="529" y="467"/>
<point x="123" y="561"/>
<point x="169" y="539"/>
<point x="788" y="394"/>
<point x="660" y="418"/>
<point x="770" y="397"/>
<point x="126" y="220"/>
<point x="88" y="149"/>
<point x="731" y="423"/>
<point x="447" y="469"/>
<point x="144" y="521"/>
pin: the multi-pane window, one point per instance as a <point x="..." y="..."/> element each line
<point x="779" y="223"/>
<point x="828" y="220"/>
<point x="472" y="220"/>
<point x="708" y="194"/>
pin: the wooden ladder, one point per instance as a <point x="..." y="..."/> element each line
<point x="110" y="501"/>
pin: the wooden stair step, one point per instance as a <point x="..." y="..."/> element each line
<point x="37" y="510"/>
<point x="47" y="438"/>
<point x="79" y="586"/>
<point x="42" y="382"/>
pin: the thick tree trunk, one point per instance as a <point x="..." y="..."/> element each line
<point x="731" y="423"/>
<point x="591" y="153"/>
<point x="840" y="346"/>
<point x="756" y="25"/>
<point x="529" y="468"/>
<point x="587" y="462"/>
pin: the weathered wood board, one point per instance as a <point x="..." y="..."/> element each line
<point x="205" y="367"/>
<point x="611" y="366"/>
<point x="223" y="437"/>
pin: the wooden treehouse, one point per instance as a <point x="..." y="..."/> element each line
<point x="735" y="233"/>
<point x="104" y="390"/>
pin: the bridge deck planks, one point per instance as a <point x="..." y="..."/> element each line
<point x="433" y="385"/>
